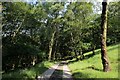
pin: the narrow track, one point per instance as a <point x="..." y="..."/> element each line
<point x="59" y="71"/>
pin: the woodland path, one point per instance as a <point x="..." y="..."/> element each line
<point x="59" y="71"/>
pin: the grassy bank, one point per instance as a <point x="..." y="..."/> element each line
<point x="28" y="74"/>
<point x="91" y="67"/>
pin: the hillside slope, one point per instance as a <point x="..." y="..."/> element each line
<point x="92" y="66"/>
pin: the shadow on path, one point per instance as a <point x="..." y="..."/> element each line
<point x="59" y="72"/>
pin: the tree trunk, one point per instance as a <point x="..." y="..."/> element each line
<point x="54" y="55"/>
<point x="93" y="49"/>
<point x="31" y="33"/>
<point x="51" y="45"/>
<point x="104" y="57"/>
<point x="1" y="46"/>
<point x="18" y="29"/>
<point x="81" y="55"/>
<point x="76" y="55"/>
<point x="93" y="43"/>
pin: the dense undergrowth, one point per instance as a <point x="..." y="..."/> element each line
<point x="27" y="73"/>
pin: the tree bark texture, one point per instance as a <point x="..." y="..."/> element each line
<point x="104" y="57"/>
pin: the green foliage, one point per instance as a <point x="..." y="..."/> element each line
<point x="42" y="55"/>
<point x="113" y="23"/>
<point x="28" y="30"/>
<point x="28" y="73"/>
<point x="86" y="46"/>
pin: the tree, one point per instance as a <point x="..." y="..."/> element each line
<point x="104" y="57"/>
<point x="21" y="33"/>
<point x="113" y="23"/>
<point x="53" y="11"/>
